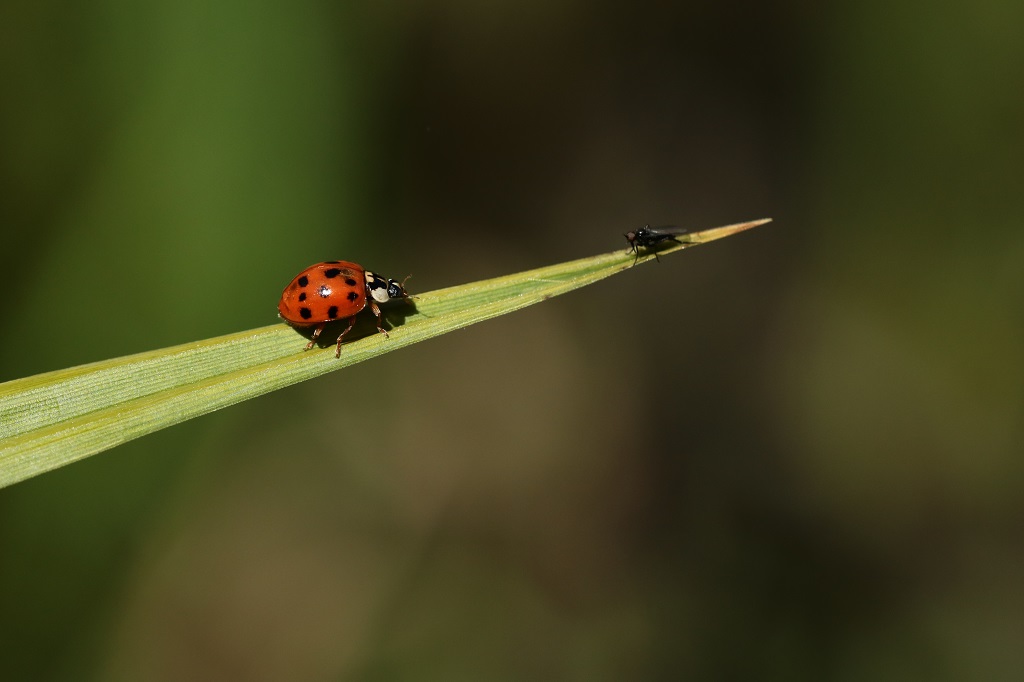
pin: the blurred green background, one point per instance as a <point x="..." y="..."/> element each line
<point x="792" y="455"/>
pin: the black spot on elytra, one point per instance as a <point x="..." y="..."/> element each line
<point x="324" y="291"/>
<point x="331" y="262"/>
<point x="332" y="272"/>
<point x="352" y="296"/>
<point x="332" y="312"/>
<point x="305" y="313"/>
<point x="349" y="281"/>
<point x="303" y="281"/>
<point x="302" y="297"/>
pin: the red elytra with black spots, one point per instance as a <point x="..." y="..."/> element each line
<point x="335" y="290"/>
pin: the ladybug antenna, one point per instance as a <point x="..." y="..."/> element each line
<point x="405" y="293"/>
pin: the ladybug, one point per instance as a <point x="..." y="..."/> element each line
<point x="335" y="290"/>
<point x="648" y="236"/>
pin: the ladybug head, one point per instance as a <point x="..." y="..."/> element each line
<point x="383" y="290"/>
<point x="396" y="290"/>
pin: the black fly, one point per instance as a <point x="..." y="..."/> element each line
<point x="648" y="237"/>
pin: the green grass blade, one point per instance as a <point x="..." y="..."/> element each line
<point x="53" y="419"/>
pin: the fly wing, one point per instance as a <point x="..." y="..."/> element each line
<point x="668" y="230"/>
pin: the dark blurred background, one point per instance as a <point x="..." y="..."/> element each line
<point x="795" y="454"/>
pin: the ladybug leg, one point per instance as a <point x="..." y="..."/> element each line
<point x="376" y="311"/>
<point x="351" y="322"/>
<point x="316" y="335"/>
